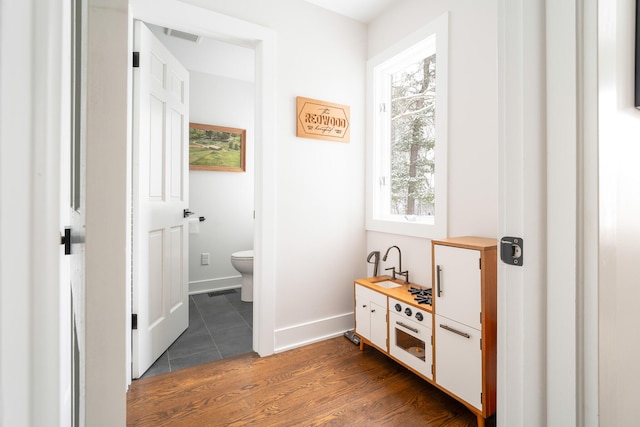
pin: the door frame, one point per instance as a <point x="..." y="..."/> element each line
<point x="548" y="195"/>
<point x="181" y="16"/>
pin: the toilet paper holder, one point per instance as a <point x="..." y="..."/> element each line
<point x="186" y="213"/>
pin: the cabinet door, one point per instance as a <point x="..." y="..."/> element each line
<point x="379" y="326"/>
<point x="458" y="360"/>
<point x="371" y="316"/>
<point x="458" y="284"/>
<point x="363" y="316"/>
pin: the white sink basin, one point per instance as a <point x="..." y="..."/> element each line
<point x="388" y="284"/>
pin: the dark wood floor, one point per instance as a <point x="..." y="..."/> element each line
<point x="328" y="383"/>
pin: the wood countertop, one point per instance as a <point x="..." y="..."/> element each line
<point x="400" y="293"/>
<point x="469" y="242"/>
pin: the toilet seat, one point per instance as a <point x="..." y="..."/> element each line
<point x="242" y="261"/>
<point x="242" y="255"/>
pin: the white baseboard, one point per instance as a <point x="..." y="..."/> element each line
<point x="310" y="332"/>
<point x="213" y="285"/>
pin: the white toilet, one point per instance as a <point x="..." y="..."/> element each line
<point x="243" y="262"/>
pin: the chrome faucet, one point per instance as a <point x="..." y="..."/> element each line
<point x="393" y="269"/>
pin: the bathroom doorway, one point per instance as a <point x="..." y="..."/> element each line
<point x="179" y="15"/>
<point x="222" y="94"/>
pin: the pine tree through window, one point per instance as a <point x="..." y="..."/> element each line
<point x="413" y="110"/>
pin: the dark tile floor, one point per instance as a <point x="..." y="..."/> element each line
<point x="220" y="325"/>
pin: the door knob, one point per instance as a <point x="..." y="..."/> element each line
<point x="186" y="213"/>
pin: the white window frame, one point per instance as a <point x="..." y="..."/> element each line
<point x="378" y="138"/>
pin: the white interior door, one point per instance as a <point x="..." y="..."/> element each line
<point x="73" y="190"/>
<point x="160" y="195"/>
<point x="72" y="216"/>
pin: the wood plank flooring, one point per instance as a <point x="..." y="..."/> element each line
<point x="327" y="383"/>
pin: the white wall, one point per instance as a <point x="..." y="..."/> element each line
<point x="210" y="56"/>
<point x="619" y="127"/>
<point x="224" y="198"/>
<point x="108" y="197"/>
<point x="473" y="120"/>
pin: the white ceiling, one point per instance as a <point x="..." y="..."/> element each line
<point x="360" y="10"/>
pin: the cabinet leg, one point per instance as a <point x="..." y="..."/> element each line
<point x="361" y="346"/>
<point x="480" y="420"/>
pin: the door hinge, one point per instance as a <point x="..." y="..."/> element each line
<point x="480" y="263"/>
<point x="481" y="318"/>
<point x="383" y="107"/>
<point x="481" y="344"/>
<point x="136" y="59"/>
<point x="134" y="321"/>
<point x="481" y="397"/>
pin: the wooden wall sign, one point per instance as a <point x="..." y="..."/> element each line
<point x="322" y="120"/>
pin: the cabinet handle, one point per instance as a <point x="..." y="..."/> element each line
<point x="438" y="271"/>
<point x="408" y="327"/>
<point x="455" y="331"/>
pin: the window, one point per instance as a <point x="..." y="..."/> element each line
<point x="407" y="151"/>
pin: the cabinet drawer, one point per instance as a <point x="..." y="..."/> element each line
<point x="366" y="294"/>
<point x="458" y="359"/>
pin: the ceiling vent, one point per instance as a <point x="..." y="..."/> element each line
<point x="182" y="35"/>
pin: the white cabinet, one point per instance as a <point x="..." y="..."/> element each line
<point x="459" y="360"/>
<point x="457" y="286"/>
<point x="371" y="316"/>
<point x="457" y="322"/>
<point x="465" y="321"/>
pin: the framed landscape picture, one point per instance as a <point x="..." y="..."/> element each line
<point x="216" y="148"/>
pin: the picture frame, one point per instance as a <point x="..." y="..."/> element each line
<point x="217" y="148"/>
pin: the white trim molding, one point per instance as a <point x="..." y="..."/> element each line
<point x="213" y="285"/>
<point x="522" y="211"/>
<point x="321" y="329"/>
<point x="378" y="215"/>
